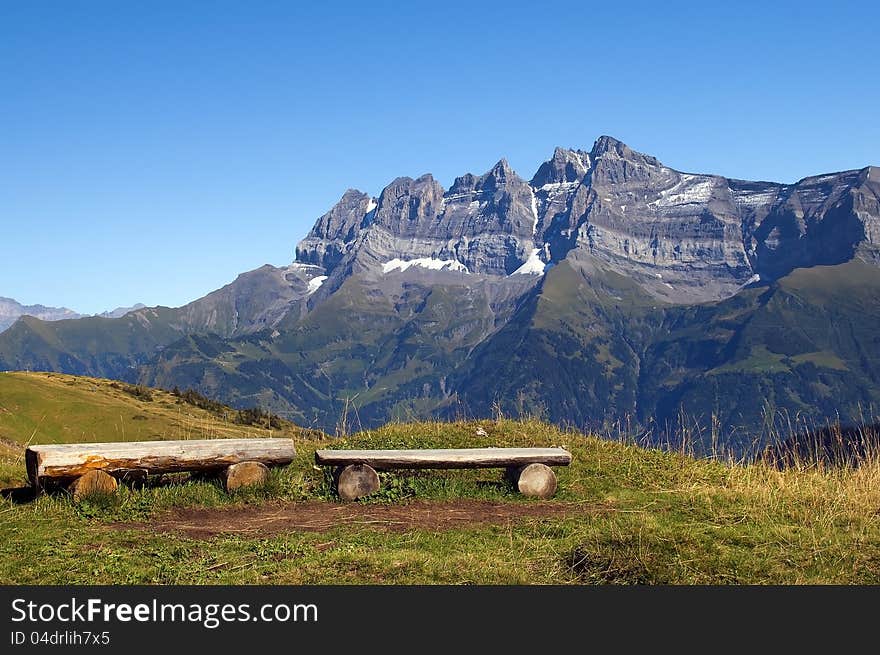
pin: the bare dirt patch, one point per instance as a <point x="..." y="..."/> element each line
<point x="317" y="516"/>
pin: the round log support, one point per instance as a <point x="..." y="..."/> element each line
<point x="93" y="482"/>
<point x="245" y="474"/>
<point x="535" y="480"/>
<point x="356" y="481"/>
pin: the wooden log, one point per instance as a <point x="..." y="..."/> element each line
<point x="536" y="480"/>
<point x="356" y="481"/>
<point x="246" y="474"/>
<point x="449" y="458"/>
<point x="69" y="461"/>
<point x="93" y="482"/>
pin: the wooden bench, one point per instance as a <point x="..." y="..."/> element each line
<point x="528" y="468"/>
<point x="90" y="467"/>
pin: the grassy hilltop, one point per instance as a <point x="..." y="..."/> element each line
<point x="623" y="514"/>
<point x="46" y="408"/>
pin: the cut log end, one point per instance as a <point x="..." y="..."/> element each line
<point x="536" y="480"/>
<point x="91" y="483"/>
<point x="356" y="481"/>
<point x="246" y="474"/>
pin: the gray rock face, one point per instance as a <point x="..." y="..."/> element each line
<point x="683" y="237"/>
<point x="483" y="225"/>
<point x="11" y="310"/>
<point x="821" y="220"/>
<point x="332" y="236"/>
<point x="679" y="235"/>
<point x="565" y="167"/>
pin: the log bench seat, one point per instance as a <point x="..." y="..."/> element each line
<point x="90" y="467"/>
<point x="528" y="468"/>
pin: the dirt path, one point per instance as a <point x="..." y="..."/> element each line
<point x="317" y="516"/>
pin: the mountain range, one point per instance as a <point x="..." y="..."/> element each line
<point x="11" y="310"/>
<point x="607" y="290"/>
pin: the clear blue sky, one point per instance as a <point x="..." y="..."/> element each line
<point x="150" y="152"/>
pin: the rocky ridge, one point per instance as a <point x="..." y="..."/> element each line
<point x="683" y="237"/>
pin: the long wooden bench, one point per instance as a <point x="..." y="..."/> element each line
<point x="528" y="468"/>
<point x="87" y="467"/>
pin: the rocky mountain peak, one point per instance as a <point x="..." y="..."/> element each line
<point x="609" y="148"/>
<point x="565" y="166"/>
<point x="405" y="204"/>
<point x="330" y="238"/>
<point x="463" y="184"/>
<point x="616" y="163"/>
<point x="498" y="176"/>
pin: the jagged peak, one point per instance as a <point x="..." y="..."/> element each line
<point x="427" y="178"/>
<point x="463" y="184"/>
<point x="608" y="147"/>
<point x="403" y="186"/>
<point x="349" y="200"/>
<point x="353" y="193"/>
<point x="567" y="154"/>
<point x="501" y="166"/>
<point x="402" y="181"/>
<point x="500" y="174"/>
<point x="605" y="144"/>
<point x="565" y="166"/>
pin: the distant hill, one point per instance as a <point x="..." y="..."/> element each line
<point x="11" y="310"/>
<point x="39" y="408"/>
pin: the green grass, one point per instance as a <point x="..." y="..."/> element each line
<point x="40" y="408"/>
<point x="760" y="360"/>
<point x="822" y="359"/>
<point x="662" y="518"/>
<point x="650" y="517"/>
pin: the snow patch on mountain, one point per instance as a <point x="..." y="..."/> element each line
<point x="532" y="266"/>
<point x="315" y="283"/>
<point x="691" y="189"/>
<point x="424" y="262"/>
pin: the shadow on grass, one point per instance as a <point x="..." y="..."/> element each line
<point x="19" y="495"/>
<point x="27" y="494"/>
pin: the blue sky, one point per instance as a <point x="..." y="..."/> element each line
<point x="150" y="152"/>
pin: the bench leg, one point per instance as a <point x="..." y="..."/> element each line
<point x="536" y="480"/>
<point x="245" y="474"/>
<point x="356" y="481"/>
<point x="93" y="482"/>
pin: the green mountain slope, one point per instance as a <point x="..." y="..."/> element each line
<point x="39" y="408"/>
<point x="100" y="347"/>
<point x="373" y="353"/>
<point x="589" y="349"/>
